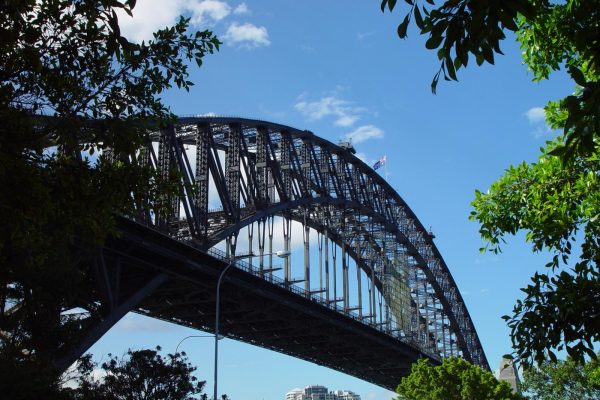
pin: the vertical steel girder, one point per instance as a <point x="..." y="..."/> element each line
<point x="202" y="178"/>
<point x="262" y="172"/>
<point x="232" y="171"/>
<point x="276" y="170"/>
<point x="285" y="149"/>
<point x="164" y="166"/>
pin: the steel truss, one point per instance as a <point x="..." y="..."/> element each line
<point x="260" y="171"/>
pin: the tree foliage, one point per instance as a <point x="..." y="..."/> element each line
<point x="71" y="84"/>
<point x="461" y="29"/>
<point x="558" y="205"/>
<point x="455" y="379"/>
<point x="563" y="380"/>
<point x="553" y="35"/>
<point x="556" y="199"/>
<point x="138" y="375"/>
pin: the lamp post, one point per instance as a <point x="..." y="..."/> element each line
<point x="187" y="337"/>
<point x="281" y="254"/>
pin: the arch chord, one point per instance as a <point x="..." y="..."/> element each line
<point x="257" y="170"/>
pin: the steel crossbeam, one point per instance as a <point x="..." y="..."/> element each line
<point x="401" y="285"/>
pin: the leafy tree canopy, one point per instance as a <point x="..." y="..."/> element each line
<point x="553" y="35"/>
<point x="455" y="379"/>
<point x="558" y="204"/>
<point x="71" y="84"/>
<point x="563" y="380"/>
<point x="138" y="375"/>
<point x="556" y="199"/>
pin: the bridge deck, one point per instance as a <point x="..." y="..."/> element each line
<point x="256" y="311"/>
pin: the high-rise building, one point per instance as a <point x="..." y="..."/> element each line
<point x="345" y="395"/>
<point x="294" y="394"/>
<point x="318" y="392"/>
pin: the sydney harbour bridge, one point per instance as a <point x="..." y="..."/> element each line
<point x="365" y="290"/>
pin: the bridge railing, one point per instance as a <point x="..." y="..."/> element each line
<point x="274" y="170"/>
<point x="251" y="269"/>
<point x="384" y="326"/>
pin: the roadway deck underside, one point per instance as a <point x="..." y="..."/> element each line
<point x="254" y="310"/>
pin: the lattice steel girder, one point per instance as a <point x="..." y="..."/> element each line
<point x="202" y="177"/>
<point x="262" y="172"/>
<point x="353" y="340"/>
<point x="307" y="171"/>
<point x="232" y="170"/>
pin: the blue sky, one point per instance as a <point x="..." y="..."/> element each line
<point x="338" y="69"/>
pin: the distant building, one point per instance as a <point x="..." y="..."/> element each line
<point x="508" y="373"/>
<point x="317" y="392"/>
<point x="345" y="395"/>
<point x="294" y="394"/>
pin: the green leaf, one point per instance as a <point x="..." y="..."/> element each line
<point x="457" y="63"/>
<point x="434" y="41"/>
<point x="479" y="58"/>
<point x="434" y="82"/>
<point x="450" y="68"/>
<point x="402" y="28"/>
<point x="418" y="18"/>
<point x="577" y="76"/>
<point x="527" y="9"/>
<point x="488" y="54"/>
<point x="390" y="3"/>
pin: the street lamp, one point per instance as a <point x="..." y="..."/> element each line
<point x="187" y="337"/>
<point x="232" y="260"/>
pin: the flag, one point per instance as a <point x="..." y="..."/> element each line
<point x="380" y="163"/>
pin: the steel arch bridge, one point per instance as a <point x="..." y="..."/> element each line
<point x="372" y="296"/>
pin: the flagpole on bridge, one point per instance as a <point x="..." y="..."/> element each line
<point x="385" y="166"/>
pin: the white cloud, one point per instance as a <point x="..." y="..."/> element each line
<point x="363" y="157"/>
<point x="214" y="201"/>
<point x="241" y="9"/>
<point x="542" y="131"/>
<point x="270" y="113"/>
<point x="71" y="376"/>
<point x="296" y="237"/>
<point x="346" y="120"/>
<point x="345" y="112"/>
<point x="306" y="48"/>
<point x="536" y="115"/>
<point x="139" y="323"/>
<point x="246" y="35"/>
<point x="148" y="17"/>
<point x="364" y="133"/>
<point x="215" y="10"/>
<point x="363" y="35"/>
<point x="152" y="15"/>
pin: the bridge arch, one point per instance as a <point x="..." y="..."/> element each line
<point x="259" y="170"/>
